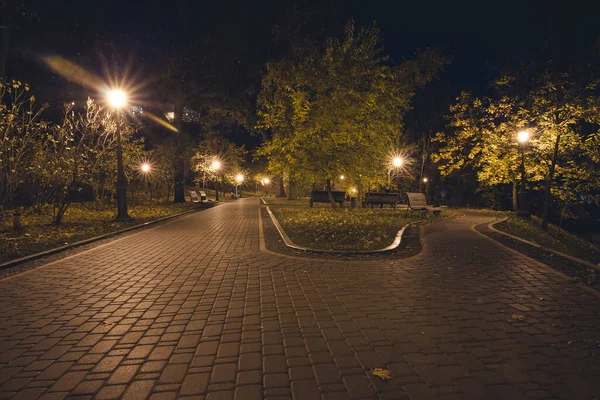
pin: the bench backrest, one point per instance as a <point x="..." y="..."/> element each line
<point x="379" y="198"/>
<point x="320" y="196"/>
<point x="194" y="195"/>
<point x="416" y="199"/>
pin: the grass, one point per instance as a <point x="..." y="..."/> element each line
<point x="556" y="238"/>
<point x="341" y="229"/>
<point x="80" y="222"/>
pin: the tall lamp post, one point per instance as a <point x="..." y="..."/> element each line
<point x="216" y="166"/>
<point x="395" y="164"/>
<point x="265" y="183"/>
<point x="118" y="99"/>
<point x="523" y="211"/>
<point x="238" y="179"/>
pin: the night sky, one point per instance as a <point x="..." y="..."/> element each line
<point x="482" y="38"/>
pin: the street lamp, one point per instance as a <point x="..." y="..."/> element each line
<point x="239" y="178"/>
<point x="523" y="211"/>
<point x="216" y="166"/>
<point x="145" y="168"/>
<point x="265" y="182"/>
<point x="397" y="162"/>
<point x="342" y="177"/>
<point x="117" y="99"/>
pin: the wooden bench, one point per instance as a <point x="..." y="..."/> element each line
<point x="320" y="196"/>
<point x="417" y="202"/>
<point x="195" y="198"/>
<point x="381" y="199"/>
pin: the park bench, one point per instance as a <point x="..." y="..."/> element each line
<point x="320" y="196"/>
<point x="417" y="202"/>
<point x="195" y="198"/>
<point x="381" y="199"/>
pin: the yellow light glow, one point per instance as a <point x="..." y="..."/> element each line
<point x="266" y="181"/>
<point x="216" y="164"/>
<point x="353" y="190"/>
<point x="397" y="161"/>
<point x="239" y="178"/>
<point x="145" y="167"/>
<point x="117" y="98"/>
<point x="170" y="116"/>
<point x="342" y="177"/>
<point x="425" y="180"/>
<point x="523" y="136"/>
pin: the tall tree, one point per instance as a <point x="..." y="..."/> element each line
<point x="337" y="108"/>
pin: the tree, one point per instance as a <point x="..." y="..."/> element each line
<point x="556" y="109"/>
<point x="21" y="129"/>
<point x="336" y="108"/>
<point x="214" y="147"/>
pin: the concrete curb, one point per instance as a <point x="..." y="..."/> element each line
<point x="491" y="227"/>
<point x="17" y="261"/>
<point x="288" y="242"/>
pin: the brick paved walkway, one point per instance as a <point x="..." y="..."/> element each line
<point x="192" y="308"/>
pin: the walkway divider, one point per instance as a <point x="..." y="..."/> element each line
<point x="289" y="243"/>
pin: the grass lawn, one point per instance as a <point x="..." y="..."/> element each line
<point x="80" y="222"/>
<point x="555" y="238"/>
<point x="344" y="229"/>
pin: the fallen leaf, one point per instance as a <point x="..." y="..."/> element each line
<point x="570" y="342"/>
<point x="382" y="374"/>
<point x="541" y="298"/>
<point x="518" y="317"/>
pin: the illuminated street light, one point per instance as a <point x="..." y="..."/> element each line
<point x="216" y="166"/>
<point x="425" y="180"/>
<point x="523" y="137"/>
<point x="266" y="181"/>
<point x="342" y="177"/>
<point x="117" y="99"/>
<point x="239" y="178"/>
<point x="396" y="163"/>
<point x="523" y="210"/>
<point x="145" y="168"/>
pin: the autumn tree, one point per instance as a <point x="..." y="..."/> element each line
<point x="556" y="109"/>
<point x="21" y="130"/>
<point x="337" y="108"/>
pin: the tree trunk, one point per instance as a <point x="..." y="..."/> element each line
<point x="330" y="194"/>
<point x="515" y="185"/>
<point x="281" y="187"/>
<point x="548" y="184"/>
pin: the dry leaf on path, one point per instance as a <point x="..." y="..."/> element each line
<point x="518" y="317"/>
<point x="382" y="374"/>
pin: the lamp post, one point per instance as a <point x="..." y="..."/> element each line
<point x="396" y="163"/>
<point x="117" y="99"/>
<point x="266" y="182"/>
<point x="523" y="211"/>
<point x="216" y="166"/>
<point x="239" y="178"/>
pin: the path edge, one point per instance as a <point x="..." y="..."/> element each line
<point x="45" y="253"/>
<point x="491" y="227"/>
<point x="289" y="243"/>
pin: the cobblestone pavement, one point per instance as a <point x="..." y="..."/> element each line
<point x="193" y="309"/>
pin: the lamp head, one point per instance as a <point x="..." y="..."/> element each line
<point x="397" y="161"/>
<point x="117" y="98"/>
<point x="216" y="164"/>
<point x="523" y="136"/>
<point x="145" y="167"/>
<point x="239" y="178"/>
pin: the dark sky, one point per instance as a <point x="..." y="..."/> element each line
<point x="481" y="37"/>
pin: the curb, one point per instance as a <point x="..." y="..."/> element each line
<point x="288" y="242"/>
<point x="17" y="261"/>
<point x="491" y="227"/>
